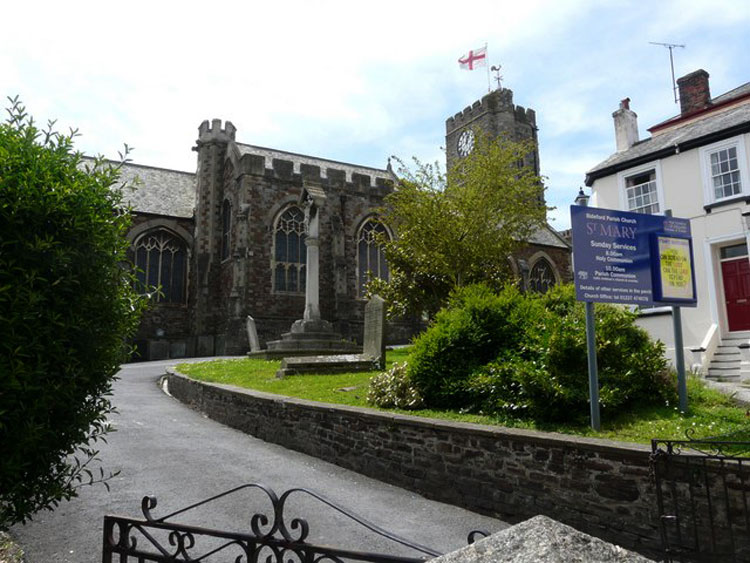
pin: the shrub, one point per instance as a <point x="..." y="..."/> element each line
<point x="392" y="389"/>
<point x="535" y="364"/>
<point x="470" y="332"/>
<point x="66" y="304"/>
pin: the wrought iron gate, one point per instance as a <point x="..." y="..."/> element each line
<point x="272" y="537"/>
<point x="703" y="496"/>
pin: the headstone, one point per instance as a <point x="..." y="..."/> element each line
<point x="252" y="334"/>
<point x="373" y="345"/>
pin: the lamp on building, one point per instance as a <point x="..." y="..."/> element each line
<point x="582" y="198"/>
<point x="160" y="333"/>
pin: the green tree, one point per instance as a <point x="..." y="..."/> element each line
<point x="67" y="304"/>
<point x="459" y="228"/>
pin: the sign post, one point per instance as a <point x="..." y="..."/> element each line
<point x="633" y="259"/>
<point x="593" y="368"/>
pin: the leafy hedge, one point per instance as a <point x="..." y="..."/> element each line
<point x="525" y="355"/>
<point x="66" y="306"/>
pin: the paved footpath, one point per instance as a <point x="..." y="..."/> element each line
<point x="168" y="450"/>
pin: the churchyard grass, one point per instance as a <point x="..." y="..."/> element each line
<point x="711" y="413"/>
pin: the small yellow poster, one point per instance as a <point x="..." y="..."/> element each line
<point x="676" y="268"/>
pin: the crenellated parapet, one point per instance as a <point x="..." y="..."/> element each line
<point x="214" y="132"/>
<point x="497" y="102"/>
<point x="281" y="165"/>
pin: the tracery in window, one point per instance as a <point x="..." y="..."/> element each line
<point x="542" y="276"/>
<point x="289" y="251"/>
<point x="161" y="264"/>
<point x="371" y="261"/>
<point x="226" y="228"/>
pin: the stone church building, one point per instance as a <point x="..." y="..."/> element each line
<point x="228" y="241"/>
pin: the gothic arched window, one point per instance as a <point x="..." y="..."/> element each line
<point x="226" y="228"/>
<point x="542" y="276"/>
<point x="371" y="261"/>
<point x="289" y="251"/>
<point x="161" y="262"/>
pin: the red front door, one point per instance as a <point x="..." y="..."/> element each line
<point x="736" y="276"/>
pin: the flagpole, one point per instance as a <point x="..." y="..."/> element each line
<point x="487" y="65"/>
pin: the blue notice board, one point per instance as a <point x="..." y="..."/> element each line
<point x="632" y="258"/>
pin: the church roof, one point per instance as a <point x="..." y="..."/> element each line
<point x="547" y="236"/>
<point x="158" y="191"/>
<point x="324" y="164"/>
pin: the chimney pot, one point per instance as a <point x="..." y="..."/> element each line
<point x="695" y="94"/>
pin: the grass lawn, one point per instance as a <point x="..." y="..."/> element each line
<point x="711" y="414"/>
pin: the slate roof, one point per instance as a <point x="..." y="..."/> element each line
<point x="723" y="123"/>
<point x="159" y="191"/>
<point x="323" y="163"/>
<point x="547" y="236"/>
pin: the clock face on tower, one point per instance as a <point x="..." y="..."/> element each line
<point x="465" y="142"/>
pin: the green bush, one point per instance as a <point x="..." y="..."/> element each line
<point x="392" y="389"/>
<point x="66" y="307"/>
<point x="525" y="356"/>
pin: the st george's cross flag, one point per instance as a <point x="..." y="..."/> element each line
<point x="474" y="59"/>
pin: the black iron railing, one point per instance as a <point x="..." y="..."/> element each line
<point x="272" y="536"/>
<point x="703" y="496"/>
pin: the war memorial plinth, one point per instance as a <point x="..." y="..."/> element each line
<point x="311" y="335"/>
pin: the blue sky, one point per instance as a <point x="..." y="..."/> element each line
<point x="359" y="81"/>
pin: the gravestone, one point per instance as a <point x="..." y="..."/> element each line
<point x="252" y="334"/>
<point x="374" y="337"/>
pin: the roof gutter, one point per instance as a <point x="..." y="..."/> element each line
<point x="594" y="175"/>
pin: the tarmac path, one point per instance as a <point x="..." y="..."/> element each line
<point x="165" y="449"/>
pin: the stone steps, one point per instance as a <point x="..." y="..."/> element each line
<point x="726" y="364"/>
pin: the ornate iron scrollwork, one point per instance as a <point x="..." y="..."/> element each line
<point x="274" y="536"/>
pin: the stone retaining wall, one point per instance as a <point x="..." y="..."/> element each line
<point x="599" y="487"/>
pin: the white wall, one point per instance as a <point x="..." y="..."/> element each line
<point x="683" y="190"/>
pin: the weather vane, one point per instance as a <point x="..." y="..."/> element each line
<point x="496" y="70"/>
<point x="671" y="46"/>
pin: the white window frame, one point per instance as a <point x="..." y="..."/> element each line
<point x="705" y="156"/>
<point x="625" y="174"/>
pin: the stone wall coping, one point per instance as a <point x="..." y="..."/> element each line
<point x="639" y="451"/>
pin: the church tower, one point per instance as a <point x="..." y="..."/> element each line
<point x="545" y="259"/>
<point x="495" y="114"/>
<point x="211" y="146"/>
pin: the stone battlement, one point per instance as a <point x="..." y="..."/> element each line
<point x="214" y="131"/>
<point x="499" y="101"/>
<point x="290" y="166"/>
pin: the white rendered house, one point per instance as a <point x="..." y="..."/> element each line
<point x="696" y="166"/>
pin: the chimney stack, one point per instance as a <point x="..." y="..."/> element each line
<point x="626" y="126"/>
<point x="694" y="92"/>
